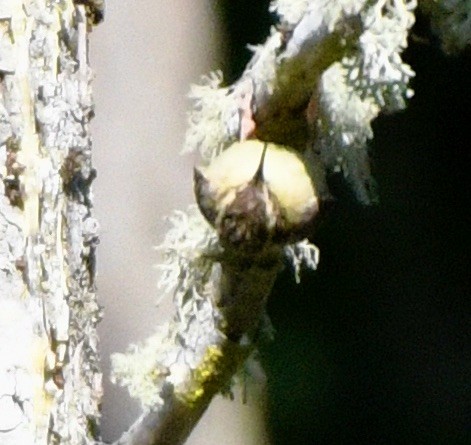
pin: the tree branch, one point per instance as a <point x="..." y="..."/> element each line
<point x="315" y="86"/>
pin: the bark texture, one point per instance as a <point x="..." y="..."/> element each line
<point x="50" y="382"/>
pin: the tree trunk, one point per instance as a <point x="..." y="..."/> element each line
<point x="315" y="85"/>
<point x="50" y="381"/>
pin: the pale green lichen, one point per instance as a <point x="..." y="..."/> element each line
<point x="176" y="349"/>
<point x="377" y="69"/>
<point x="207" y="119"/>
<point x="345" y="128"/>
<point x="140" y="371"/>
<point x="371" y="79"/>
<point x="189" y="248"/>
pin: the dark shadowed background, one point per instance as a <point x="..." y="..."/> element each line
<point x="374" y="347"/>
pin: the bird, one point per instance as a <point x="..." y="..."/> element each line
<point x="256" y="192"/>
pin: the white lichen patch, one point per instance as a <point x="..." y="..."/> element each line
<point x="213" y="106"/>
<point x="189" y="249"/>
<point x="344" y="130"/>
<point x="289" y="11"/>
<point x="356" y="89"/>
<point x="139" y="370"/>
<point x="302" y="253"/>
<point x="190" y="272"/>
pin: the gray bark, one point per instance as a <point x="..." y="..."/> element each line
<point x="50" y="382"/>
